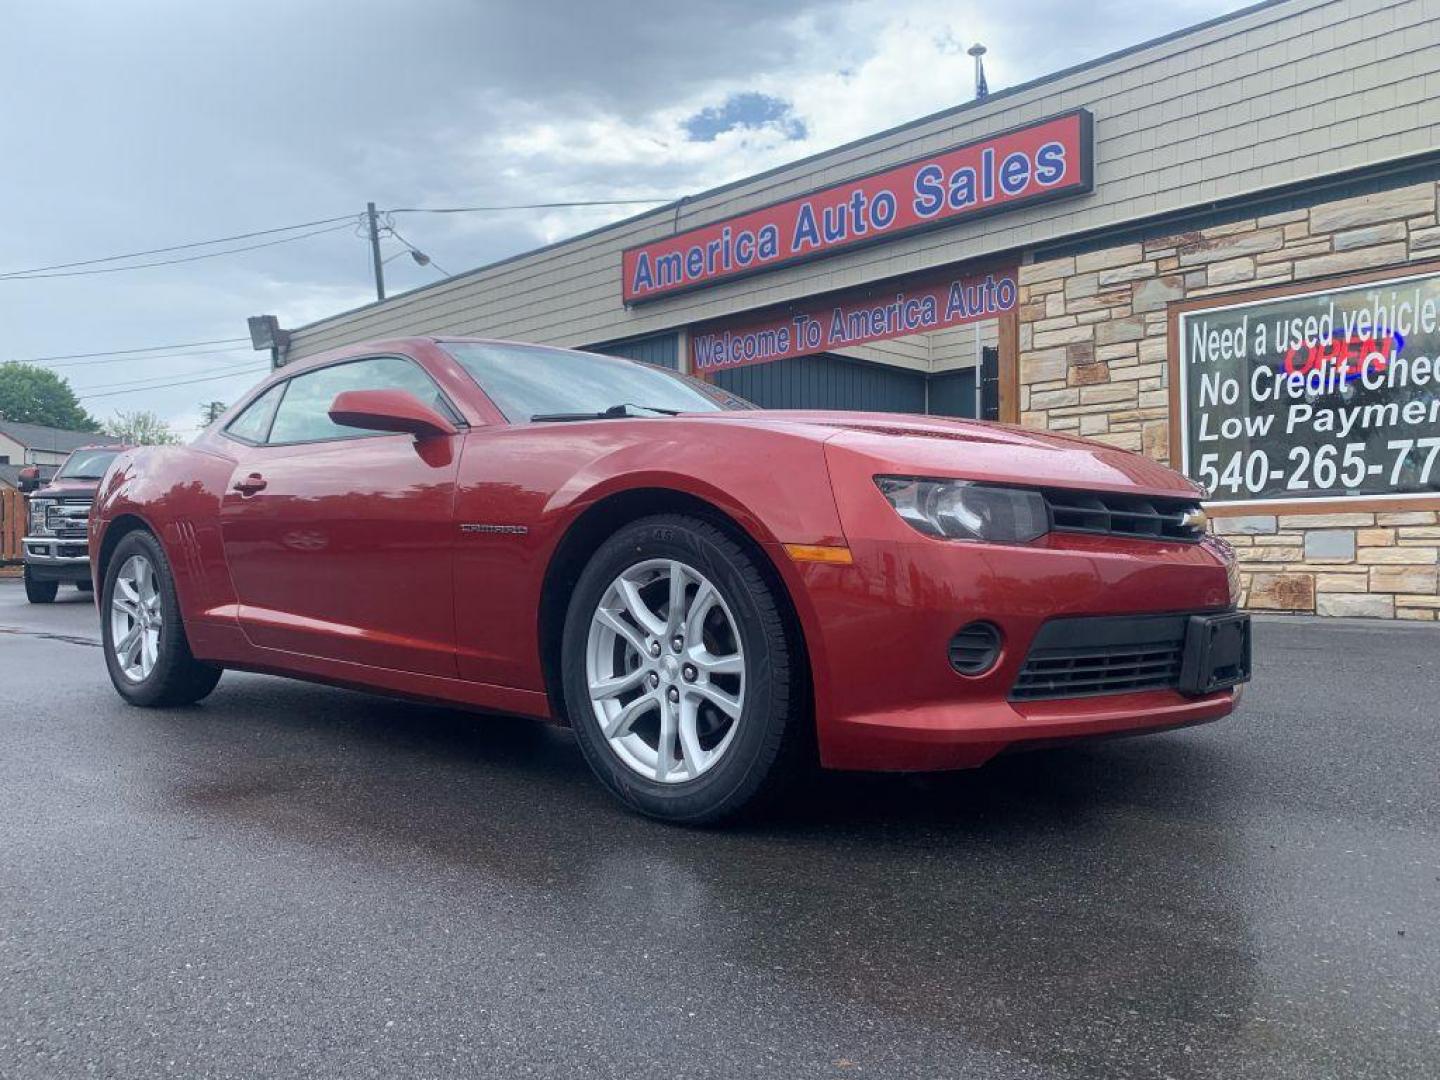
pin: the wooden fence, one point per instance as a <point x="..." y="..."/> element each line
<point x="12" y="524"/>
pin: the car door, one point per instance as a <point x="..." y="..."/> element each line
<point x="340" y="541"/>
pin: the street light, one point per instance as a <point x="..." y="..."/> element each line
<point x="265" y="333"/>
<point x="421" y="259"/>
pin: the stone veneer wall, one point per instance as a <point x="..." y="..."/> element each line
<point x="1093" y="342"/>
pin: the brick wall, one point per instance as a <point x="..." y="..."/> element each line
<point x="1093" y="362"/>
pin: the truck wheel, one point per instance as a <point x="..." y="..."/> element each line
<point x="680" y="679"/>
<point x="142" y="631"/>
<point x="39" y="592"/>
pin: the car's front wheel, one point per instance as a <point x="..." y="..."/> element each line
<point x="143" y="635"/>
<point x="680" y="679"/>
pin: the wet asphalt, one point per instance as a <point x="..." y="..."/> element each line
<point x="295" y="881"/>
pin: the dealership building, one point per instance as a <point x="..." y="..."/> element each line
<point x="1219" y="249"/>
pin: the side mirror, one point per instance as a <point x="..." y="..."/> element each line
<point x="388" y="410"/>
<point x="29" y="478"/>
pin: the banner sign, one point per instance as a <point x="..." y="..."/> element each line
<point x="1038" y="162"/>
<point x="876" y="313"/>
<point x="1322" y="394"/>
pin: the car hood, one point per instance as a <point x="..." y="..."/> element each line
<point x="974" y="450"/>
<point x="67" y="489"/>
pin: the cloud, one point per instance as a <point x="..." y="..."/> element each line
<point x="132" y="127"/>
<point x="849" y="69"/>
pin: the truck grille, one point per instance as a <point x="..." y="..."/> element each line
<point x="68" y="520"/>
<point x="1108" y="514"/>
<point x="1102" y="655"/>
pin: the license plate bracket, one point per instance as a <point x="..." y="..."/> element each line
<point x="1217" y="653"/>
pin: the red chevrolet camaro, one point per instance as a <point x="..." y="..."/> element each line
<point x="709" y="594"/>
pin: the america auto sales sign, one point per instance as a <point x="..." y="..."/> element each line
<point x="1045" y="160"/>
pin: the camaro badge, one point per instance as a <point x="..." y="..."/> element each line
<point x="509" y="530"/>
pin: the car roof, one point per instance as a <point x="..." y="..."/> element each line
<point x="405" y="344"/>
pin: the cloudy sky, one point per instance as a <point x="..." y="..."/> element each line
<point x="140" y="125"/>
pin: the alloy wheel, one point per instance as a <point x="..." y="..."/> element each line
<point x="136" y="618"/>
<point x="666" y="671"/>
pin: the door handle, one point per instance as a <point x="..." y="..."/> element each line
<point x="250" y="484"/>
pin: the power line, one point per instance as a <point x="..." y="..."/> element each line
<point x="172" y="262"/>
<point x="232" y="366"/>
<point x="178" y="247"/>
<point x="167" y="386"/>
<point x="524" y="206"/>
<point x="208" y="355"/>
<point x="124" y="352"/>
<point x="60" y="270"/>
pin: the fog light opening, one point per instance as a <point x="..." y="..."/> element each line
<point x="975" y="649"/>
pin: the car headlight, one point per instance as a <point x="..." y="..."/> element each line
<point x="1226" y="552"/>
<point x="37" y="516"/>
<point x="964" y="510"/>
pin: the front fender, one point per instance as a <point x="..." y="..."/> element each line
<point x="175" y="493"/>
<point x="524" y="488"/>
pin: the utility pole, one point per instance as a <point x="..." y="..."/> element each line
<point x="375" y="250"/>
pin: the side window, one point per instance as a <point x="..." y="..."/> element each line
<point x="303" y="415"/>
<point x="253" y="424"/>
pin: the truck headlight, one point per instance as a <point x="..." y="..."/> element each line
<point x="964" y="510"/>
<point x="37" y="516"/>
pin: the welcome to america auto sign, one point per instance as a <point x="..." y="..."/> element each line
<point x="1319" y="394"/>
<point x="1041" y="161"/>
<point x="858" y="317"/>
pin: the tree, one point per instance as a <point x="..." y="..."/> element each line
<point x="141" y="428"/>
<point x="210" y="412"/>
<point x="36" y="395"/>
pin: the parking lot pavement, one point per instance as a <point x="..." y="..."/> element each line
<point x="298" y="881"/>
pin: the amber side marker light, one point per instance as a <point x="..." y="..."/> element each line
<point x="835" y="556"/>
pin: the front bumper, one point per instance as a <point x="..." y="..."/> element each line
<point x="887" y="697"/>
<point x="49" y="558"/>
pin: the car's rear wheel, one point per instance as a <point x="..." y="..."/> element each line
<point x="39" y="592"/>
<point x="146" y="649"/>
<point x="680" y="679"/>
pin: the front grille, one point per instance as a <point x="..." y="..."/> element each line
<point x="1108" y="514"/>
<point x="68" y="520"/>
<point x="1102" y="655"/>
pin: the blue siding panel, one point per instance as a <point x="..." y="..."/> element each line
<point x="952" y="393"/>
<point x="661" y="349"/>
<point x="827" y="382"/>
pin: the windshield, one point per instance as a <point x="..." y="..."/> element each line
<point x="526" y="381"/>
<point x="86" y="465"/>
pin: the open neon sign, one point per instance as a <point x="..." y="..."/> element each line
<point x="1339" y="352"/>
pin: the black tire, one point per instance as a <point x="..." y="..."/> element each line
<point x="177" y="677"/>
<point x="771" y="732"/>
<point x="39" y="592"/>
<point x="85" y="586"/>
